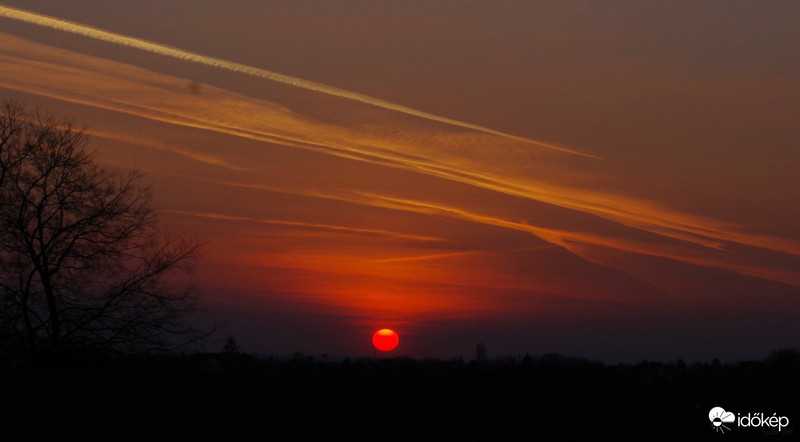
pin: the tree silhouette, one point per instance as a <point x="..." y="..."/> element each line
<point x="82" y="263"/>
<point x="231" y="346"/>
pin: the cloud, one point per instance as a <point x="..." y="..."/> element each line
<point x="108" y="85"/>
<point x="390" y="211"/>
<point x="184" y="152"/>
<point x="311" y="226"/>
<point x="156" y="48"/>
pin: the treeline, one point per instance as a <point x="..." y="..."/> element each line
<point x="231" y="395"/>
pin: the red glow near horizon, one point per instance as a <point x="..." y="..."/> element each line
<point x="385" y="339"/>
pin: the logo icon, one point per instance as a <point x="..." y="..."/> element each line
<point x="719" y="417"/>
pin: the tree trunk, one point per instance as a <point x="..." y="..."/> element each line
<point x="30" y="333"/>
<point x="52" y="307"/>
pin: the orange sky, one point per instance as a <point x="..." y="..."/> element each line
<point x="617" y="183"/>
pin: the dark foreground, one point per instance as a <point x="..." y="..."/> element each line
<point x="236" y="397"/>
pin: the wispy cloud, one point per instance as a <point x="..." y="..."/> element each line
<point x="156" y="48"/>
<point x="307" y="225"/>
<point x="156" y="145"/>
<point x="113" y="86"/>
<point x="682" y="248"/>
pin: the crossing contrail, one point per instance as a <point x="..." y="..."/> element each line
<point x="169" y="51"/>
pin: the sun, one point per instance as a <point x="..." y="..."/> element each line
<point x="385" y="339"/>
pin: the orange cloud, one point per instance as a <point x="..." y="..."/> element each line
<point x="386" y="183"/>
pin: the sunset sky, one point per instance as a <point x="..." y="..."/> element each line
<point x="615" y="180"/>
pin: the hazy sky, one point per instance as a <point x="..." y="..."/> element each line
<point x="615" y="180"/>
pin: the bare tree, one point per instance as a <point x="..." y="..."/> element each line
<point x="82" y="263"/>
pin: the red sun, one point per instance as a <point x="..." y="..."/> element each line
<point x="385" y="339"/>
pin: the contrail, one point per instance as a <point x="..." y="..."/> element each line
<point x="156" y="48"/>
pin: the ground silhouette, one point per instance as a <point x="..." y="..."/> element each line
<point x="232" y="396"/>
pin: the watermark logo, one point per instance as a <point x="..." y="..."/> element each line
<point x="719" y="417"/>
<point x="768" y="423"/>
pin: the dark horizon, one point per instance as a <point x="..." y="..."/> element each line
<point x="228" y="394"/>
